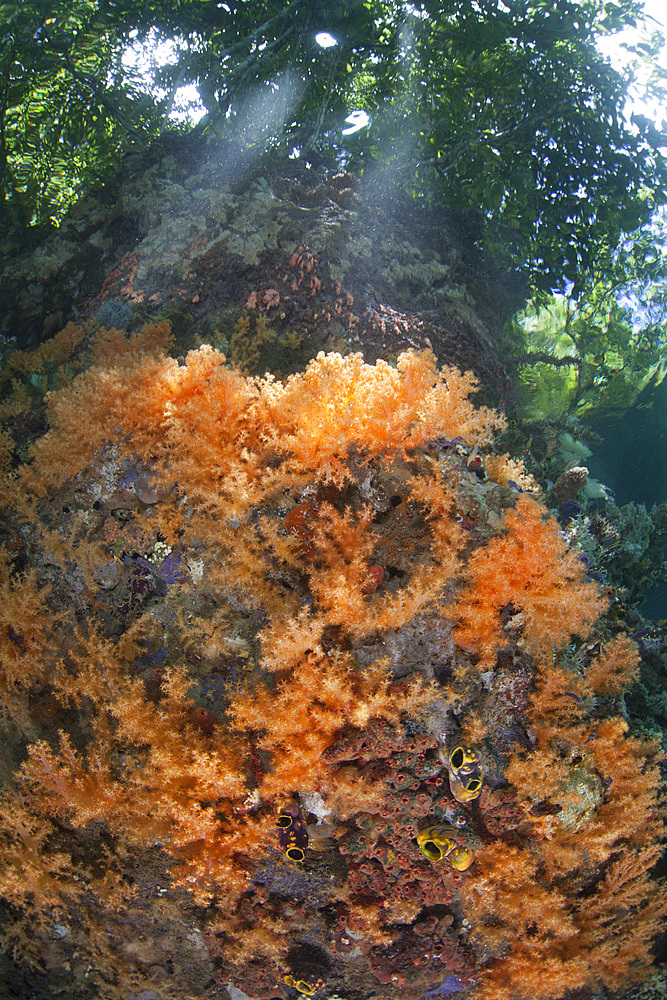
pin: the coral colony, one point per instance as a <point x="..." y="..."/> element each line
<point x="306" y="668"/>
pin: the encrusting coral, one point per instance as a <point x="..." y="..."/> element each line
<point x="250" y="630"/>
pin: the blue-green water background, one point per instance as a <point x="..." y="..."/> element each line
<point x="632" y="462"/>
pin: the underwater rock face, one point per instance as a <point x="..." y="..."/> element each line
<point x="303" y="260"/>
<point x="241" y="764"/>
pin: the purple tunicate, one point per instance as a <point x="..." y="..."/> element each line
<point x="169" y="570"/>
<point x="444" y="443"/>
<point x="452" y="984"/>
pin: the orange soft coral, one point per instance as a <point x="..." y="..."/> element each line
<point x="338" y="403"/>
<point x="24" y="638"/>
<point x="529" y="573"/>
<point x="126" y="397"/>
<point x="616" y="667"/>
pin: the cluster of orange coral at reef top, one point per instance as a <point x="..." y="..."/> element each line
<point x="250" y="631"/>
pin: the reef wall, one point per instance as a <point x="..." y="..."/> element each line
<point x="304" y="691"/>
<point x="194" y="233"/>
